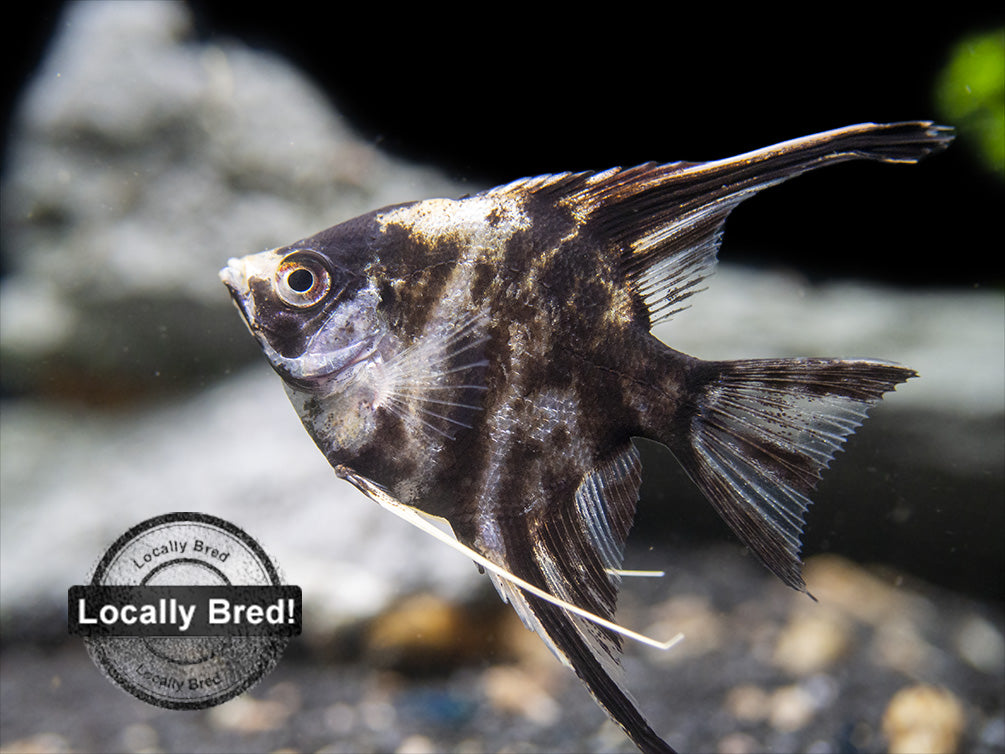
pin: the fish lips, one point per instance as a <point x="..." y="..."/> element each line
<point x="292" y="370"/>
<point x="236" y="282"/>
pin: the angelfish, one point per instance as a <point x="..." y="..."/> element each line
<point x="488" y="360"/>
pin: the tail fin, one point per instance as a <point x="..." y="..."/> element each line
<point x="759" y="434"/>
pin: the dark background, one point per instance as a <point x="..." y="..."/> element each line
<point x="492" y="93"/>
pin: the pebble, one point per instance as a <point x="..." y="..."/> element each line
<point x="422" y="633"/>
<point x="738" y="743"/>
<point x="140" y="737"/>
<point x="980" y="643"/>
<point x="848" y="595"/>
<point x="693" y="616"/>
<point x="840" y="584"/>
<point x="42" y="743"/>
<point x="512" y="689"/>
<point x="378" y="713"/>
<point x="416" y="744"/>
<point x="923" y="720"/>
<point x="749" y="703"/>
<point x="247" y="714"/>
<point x="992" y="734"/>
<point x="340" y="718"/>
<point x="812" y="641"/>
<point x="899" y="645"/>
<point x="791" y="708"/>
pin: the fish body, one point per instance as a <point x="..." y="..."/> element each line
<point x="488" y="360"/>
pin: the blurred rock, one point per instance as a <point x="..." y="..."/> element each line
<point x="818" y="635"/>
<point x="790" y="708"/>
<point x="141" y="159"/>
<point x="981" y="644"/>
<point x="74" y="481"/>
<point x="738" y="743"/>
<point x="139" y="737"/>
<point x="855" y="591"/>
<point x="416" y="745"/>
<point x="749" y="703"/>
<point x="43" y="743"/>
<point x="693" y="616"/>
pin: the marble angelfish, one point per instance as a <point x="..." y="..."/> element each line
<point x="488" y="360"/>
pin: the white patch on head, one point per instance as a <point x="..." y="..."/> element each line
<point x="480" y="224"/>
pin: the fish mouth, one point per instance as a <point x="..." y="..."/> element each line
<point x="310" y="372"/>
<point x="229" y="273"/>
<point x="235" y="278"/>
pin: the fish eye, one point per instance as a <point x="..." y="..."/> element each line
<point x="303" y="279"/>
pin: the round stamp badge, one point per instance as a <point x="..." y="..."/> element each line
<point x="185" y="611"/>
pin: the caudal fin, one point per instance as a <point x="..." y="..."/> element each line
<point x="760" y="433"/>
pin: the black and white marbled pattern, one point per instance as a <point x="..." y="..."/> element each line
<point x="488" y="360"/>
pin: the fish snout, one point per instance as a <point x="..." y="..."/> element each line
<point x="234" y="276"/>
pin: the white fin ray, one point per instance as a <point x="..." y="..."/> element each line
<point x="610" y="489"/>
<point x="636" y="573"/>
<point x="419" y="385"/>
<point x="763" y="432"/>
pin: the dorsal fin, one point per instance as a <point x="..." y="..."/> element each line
<point x="665" y="220"/>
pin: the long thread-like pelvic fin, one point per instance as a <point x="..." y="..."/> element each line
<point x="414" y="517"/>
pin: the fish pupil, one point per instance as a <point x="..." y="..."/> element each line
<point x="300" y="280"/>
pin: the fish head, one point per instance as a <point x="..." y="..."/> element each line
<point x="314" y="313"/>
